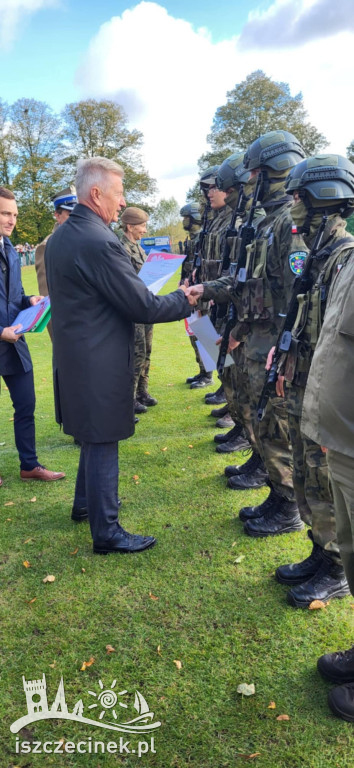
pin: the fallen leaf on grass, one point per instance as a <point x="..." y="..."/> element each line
<point x="246" y="690"/>
<point x="2" y="443"/>
<point x="352" y="605"/>
<point x="9" y="503"/>
<point x="8" y="519"/>
<point x="316" y="605"/>
<point x="75" y="551"/>
<point x="83" y="570"/>
<point x="86" y="664"/>
<point x="177" y="663"/>
<point x="53" y="665"/>
<point x="110" y="649"/>
<point x="239" y="559"/>
<point x="26" y="564"/>
<point x="283" y="717"/>
<point x="48" y="579"/>
<point x="153" y="597"/>
<point x="147" y="453"/>
<point x="159" y="650"/>
<point x="11" y="419"/>
<point x="234" y="543"/>
<point x="32" y="601"/>
<point x="248" y="757"/>
<point x="272" y="705"/>
<point x="34" y="498"/>
<point x="190" y="446"/>
<point x="27" y="541"/>
<point x="164" y="449"/>
<point x="135" y="477"/>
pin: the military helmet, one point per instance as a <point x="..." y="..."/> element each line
<point x="232" y="172"/>
<point x="279" y="150"/>
<point x="325" y="177"/>
<point x="208" y="177"/>
<point x="191" y="210"/>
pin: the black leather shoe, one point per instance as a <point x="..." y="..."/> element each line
<point x="224" y="437"/>
<point x="239" y="443"/>
<point x="190" y="379"/>
<point x="254" y="462"/>
<point x="256" y="479"/>
<point x="79" y="514"/>
<point x="338" y="667"/>
<point x="218" y="413"/>
<point x="341" y="701"/>
<point x="136" y="419"/>
<point x="225" y="422"/>
<point x="124" y="542"/>
<point x="146" y="399"/>
<point x="139" y="407"/>
<point x="203" y="381"/>
<point x="251" y="513"/>
<point x="283" y="518"/>
<point x="329" y="581"/>
<point x="298" y="573"/>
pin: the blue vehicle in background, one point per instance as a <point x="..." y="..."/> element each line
<point x="162" y="244"/>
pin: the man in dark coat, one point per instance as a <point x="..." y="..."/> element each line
<point x="15" y="359"/>
<point x="96" y="298"/>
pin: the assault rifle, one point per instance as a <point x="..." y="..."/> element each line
<point x="247" y="234"/>
<point x="302" y="284"/>
<point x="197" y="263"/>
<point x="225" y="260"/>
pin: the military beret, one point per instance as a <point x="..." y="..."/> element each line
<point x="133" y="215"/>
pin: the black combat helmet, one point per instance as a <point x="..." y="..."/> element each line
<point x="232" y="172"/>
<point x="192" y="211"/>
<point x="208" y="178"/>
<point x="327" y="178"/>
<point x="279" y="150"/>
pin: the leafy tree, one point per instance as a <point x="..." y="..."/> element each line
<point x="6" y="149"/>
<point x="164" y="216"/>
<point x="255" y="106"/>
<point x="37" y="173"/>
<point x="350" y="152"/>
<point x="100" y="128"/>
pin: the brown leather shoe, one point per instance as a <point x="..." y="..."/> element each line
<point x="41" y="473"/>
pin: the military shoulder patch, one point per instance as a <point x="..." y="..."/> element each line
<point x="296" y="261"/>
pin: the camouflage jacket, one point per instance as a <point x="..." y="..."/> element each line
<point x="312" y="305"/>
<point x="328" y="416"/>
<point x="189" y="248"/>
<point x="213" y="243"/>
<point x="272" y="264"/>
<point x="136" y="252"/>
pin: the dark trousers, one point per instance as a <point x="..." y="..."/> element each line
<point x="21" y="388"/>
<point x="97" y="488"/>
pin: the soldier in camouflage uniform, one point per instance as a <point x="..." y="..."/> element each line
<point x="134" y="227"/>
<point x="317" y="191"/>
<point x="191" y="224"/>
<point x="261" y="294"/>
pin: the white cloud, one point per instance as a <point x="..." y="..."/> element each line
<point x="171" y="78"/>
<point x="12" y="13"/>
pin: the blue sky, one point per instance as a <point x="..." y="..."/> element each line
<point x="170" y="64"/>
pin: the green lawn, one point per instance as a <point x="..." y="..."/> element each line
<point x="185" y="600"/>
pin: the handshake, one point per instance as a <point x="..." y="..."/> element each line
<point x="192" y="293"/>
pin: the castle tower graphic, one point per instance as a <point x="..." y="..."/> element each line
<point x="36" y="695"/>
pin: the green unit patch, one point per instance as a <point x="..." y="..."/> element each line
<point x="296" y="261"/>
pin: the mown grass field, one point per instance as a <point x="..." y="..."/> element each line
<point x="186" y="600"/>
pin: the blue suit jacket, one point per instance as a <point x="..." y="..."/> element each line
<point x="14" y="358"/>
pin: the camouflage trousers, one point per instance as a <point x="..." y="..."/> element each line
<point x="341" y="472"/>
<point x="193" y="341"/>
<point x="272" y="434"/>
<point x="228" y="380"/>
<point x="310" y="478"/>
<point x="142" y="354"/>
<point x="240" y="393"/>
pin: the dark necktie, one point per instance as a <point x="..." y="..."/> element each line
<point x="4" y="266"/>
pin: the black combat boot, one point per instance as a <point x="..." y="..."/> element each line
<point x="298" y="573"/>
<point x="328" y="581"/>
<point x="203" y="381"/>
<point x="215" y="398"/>
<point x="252" y="474"/>
<point x="341" y="701"/>
<point x="223" y="437"/>
<point x="235" y="443"/>
<point x="190" y="379"/>
<point x="253" y="463"/>
<point x="250" y="513"/>
<point x="338" y="667"/>
<point x="146" y="399"/>
<point x="218" y="413"/>
<point x="139" y="407"/>
<point x="282" y="517"/>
